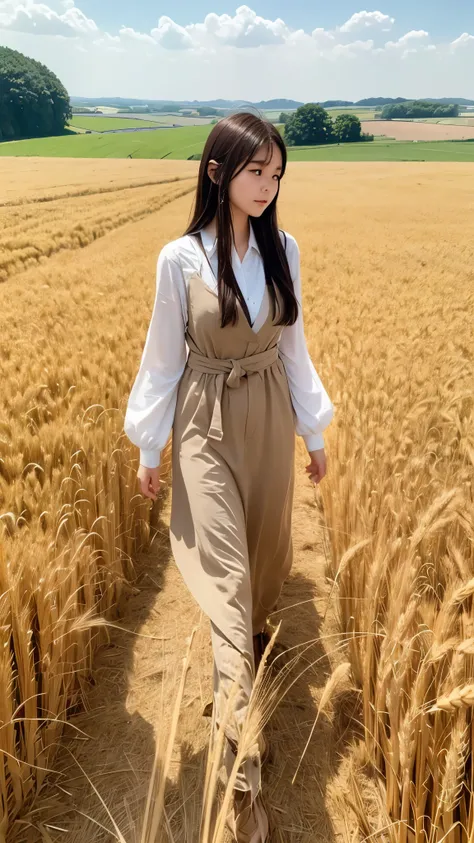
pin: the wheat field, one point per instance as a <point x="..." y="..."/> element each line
<point x="376" y="721"/>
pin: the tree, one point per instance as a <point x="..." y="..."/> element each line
<point x="309" y="125"/>
<point x="33" y="102"/>
<point x="206" y="111"/>
<point x="419" y="108"/>
<point x="347" y="128"/>
<point x="284" y="117"/>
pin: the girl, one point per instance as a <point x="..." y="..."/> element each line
<point x="226" y="367"/>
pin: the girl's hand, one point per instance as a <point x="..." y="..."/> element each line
<point x="317" y="467"/>
<point x="149" y="481"/>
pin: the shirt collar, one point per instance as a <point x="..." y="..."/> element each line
<point x="210" y="242"/>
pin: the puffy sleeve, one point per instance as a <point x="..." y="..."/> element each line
<point x="310" y="400"/>
<point x="151" y="404"/>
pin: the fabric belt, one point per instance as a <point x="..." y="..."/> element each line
<point x="237" y="369"/>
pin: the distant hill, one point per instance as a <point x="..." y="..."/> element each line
<point x="119" y="102"/>
<point x="454" y="100"/>
<point x="440" y="100"/>
<point x="371" y="101"/>
<point x="335" y="103"/>
<point x="269" y="105"/>
<point x="225" y="105"/>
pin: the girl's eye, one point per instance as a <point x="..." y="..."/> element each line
<point x="258" y="170"/>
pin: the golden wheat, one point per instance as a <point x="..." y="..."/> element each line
<point x="399" y="514"/>
<point x="387" y="260"/>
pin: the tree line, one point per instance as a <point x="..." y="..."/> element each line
<point x="33" y="101"/>
<point x="311" y="125"/>
<point x="419" y="108"/>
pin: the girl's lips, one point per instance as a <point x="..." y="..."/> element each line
<point x="261" y="201"/>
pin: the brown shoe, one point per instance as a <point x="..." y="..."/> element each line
<point x="259" y="644"/>
<point x="207" y="710"/>
<point x="263" y="743"/>
<point x="278" y="655"/>
<point x="248" y="822"/>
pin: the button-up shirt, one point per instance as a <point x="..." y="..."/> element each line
<point x="151" y="405"/>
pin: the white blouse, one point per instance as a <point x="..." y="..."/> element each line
<point x="151" y="405"/>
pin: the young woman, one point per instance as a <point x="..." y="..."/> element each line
<point x="229" y="292"/>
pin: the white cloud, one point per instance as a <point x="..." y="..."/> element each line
<point x="363" y="20"/>
<point x="39" y="19"/>
<point x="244" y="29"/>
<point x="411" y="42"/>
<point x="247" y="29"/>
<point x="409" y="37"/>
<point x="464" y="40"/>
<point x="322" y="37"/>
<point x="170" y="35"/>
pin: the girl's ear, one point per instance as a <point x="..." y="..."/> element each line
<point x="211" y="170"/>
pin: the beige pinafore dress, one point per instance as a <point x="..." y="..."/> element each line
<point x="232" y="488"/>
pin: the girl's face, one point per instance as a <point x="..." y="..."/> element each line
<point x="257" y="184"/>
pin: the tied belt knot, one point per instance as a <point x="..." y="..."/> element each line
<point x="235" y="369"/>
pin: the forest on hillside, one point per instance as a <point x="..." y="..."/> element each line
<point x="33" y="101"/>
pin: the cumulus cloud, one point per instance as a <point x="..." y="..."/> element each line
<point x="170" y="35"/>
<point x="323" y="37"/>
<point x="412" y="42"/>
<point x="464" y="40"/>
<point x="39" y="19"/>
<point x="363" y="20"/>
<point x="415" y="35"/>
<point x="244" y="29"/>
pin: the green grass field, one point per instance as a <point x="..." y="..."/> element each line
<point x="102" y="124"/>
<point x="184" y="142"/>
<point x="384" y="150"/>
<point x="169" y="143"/>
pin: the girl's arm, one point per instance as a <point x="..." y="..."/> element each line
<point x="311" y="402"/>
<point x="152" y="402"/>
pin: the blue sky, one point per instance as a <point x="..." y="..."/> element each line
<point x="207" y="49"/>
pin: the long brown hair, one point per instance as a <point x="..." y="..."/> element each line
<point x="233" y="142"/>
